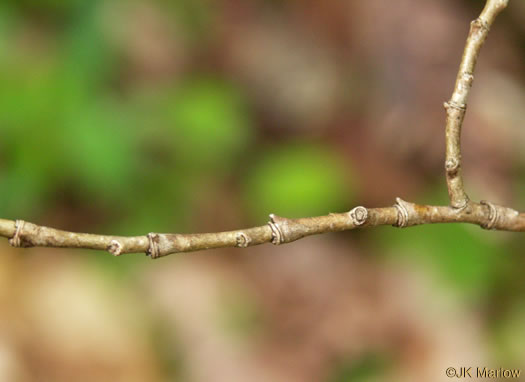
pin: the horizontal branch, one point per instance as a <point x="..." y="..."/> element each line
<point x="279" y="230"/>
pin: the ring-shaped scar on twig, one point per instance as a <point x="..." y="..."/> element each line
<point x="468" y="78"/>
<point x="277" y="234"/>
<point x="493" y="215"/>
<point x="463" y="206"/>
<point x="153" y="249"/>
<point x="16" y="240"/>
<point x="402" y="213"/>
<point x="481" y="24"/>
<point x="451" y="165"/>
<point x="242" y="240"/>
<point x="454" y="105"/>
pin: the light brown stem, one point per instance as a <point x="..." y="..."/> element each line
<point x="281" y="230"/>
<point x="278" y="231"/>
<point x="457" y="105"/>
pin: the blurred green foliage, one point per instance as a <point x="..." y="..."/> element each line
<point x="59" y="126"/>
<point x="74" y="137"/>
<point x="196" y="16"/>
<point x="64" y="128"/>
<point x="368" y="368"/>
<point x="209" y="124"/>
<point x="296" y="180"/>
<point x="239" y="314"/>
<point x="461" y="256"/>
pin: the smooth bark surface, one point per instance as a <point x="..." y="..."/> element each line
<point x="280" y="230"/>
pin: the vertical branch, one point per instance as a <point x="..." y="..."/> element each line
<point x="457" y="105"/>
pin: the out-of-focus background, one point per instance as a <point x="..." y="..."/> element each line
<point x="128" y="117"/>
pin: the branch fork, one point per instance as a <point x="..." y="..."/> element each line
<point x="280" y="230"/>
